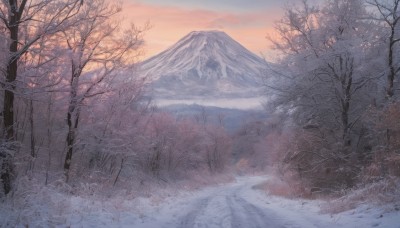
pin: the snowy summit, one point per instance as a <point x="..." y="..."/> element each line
<point x="205" y="64"/>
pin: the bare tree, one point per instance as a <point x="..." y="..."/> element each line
<point x="322" y="76"/>
<point x="33" y="19"/>
<point x="389" y="14"/>
<point x="99" y="49"/>
<point x="324" y="81"/>
<point x="217" y="148"/>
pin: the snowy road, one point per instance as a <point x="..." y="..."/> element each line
<point x="230" y="208"/>
<point x="234" y="205"/>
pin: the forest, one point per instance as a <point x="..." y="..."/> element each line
<point x="76" y="119"/>
<point x="336" y="88"/>
<point x="74" y="108"/>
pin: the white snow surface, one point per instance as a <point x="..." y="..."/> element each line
<point x="238" y="204"/>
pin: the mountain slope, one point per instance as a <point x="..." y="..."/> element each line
<point x="205" y="64"/>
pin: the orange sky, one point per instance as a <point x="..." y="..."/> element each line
<point x="171" y="22"/>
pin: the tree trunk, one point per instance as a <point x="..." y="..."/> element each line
<point x="72" y="121"/>
<point x="347" y="83"/>
<point x="392" y="41"/>
<point x="119" y="171"/>
<point x="49" y="139"/>
<point x="32" y="139"/>
<point x="8" y="103"/>
<point x="392" y="72"/>
<point x="70" y="148"/>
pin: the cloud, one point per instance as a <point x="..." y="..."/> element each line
<point x="229" y="5"/>
<point x="170" y="23"/>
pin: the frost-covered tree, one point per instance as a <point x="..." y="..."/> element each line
<point x="217" y="148"/>
<point x="326" y="77"/>
<point x="388" y="12"/>
<point x="99" y="49"/>
<point x="23" y="24"/>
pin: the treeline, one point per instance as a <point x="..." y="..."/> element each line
<point x="72" y="106"/>
<point x="335" y="85"/>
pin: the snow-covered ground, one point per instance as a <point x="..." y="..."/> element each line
<point x="238" y="204"/>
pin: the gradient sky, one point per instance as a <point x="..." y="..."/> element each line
<point x="247" y="21"/>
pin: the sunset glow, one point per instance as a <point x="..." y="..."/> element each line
<point x="170" y="20"/>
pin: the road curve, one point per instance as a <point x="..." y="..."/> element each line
<point x="228" y="208"/>
<point x="237" y="205"/>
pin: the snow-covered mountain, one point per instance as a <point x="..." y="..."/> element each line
<point x="204" y="64"/>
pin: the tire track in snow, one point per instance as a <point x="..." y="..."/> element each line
<point x="228" y="210"/>
<point x="189" y="219"/>
<point x="235" y="205"/>
<point x="245" y="214"/>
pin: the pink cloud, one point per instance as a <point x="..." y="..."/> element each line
<point x="169" y="24"/>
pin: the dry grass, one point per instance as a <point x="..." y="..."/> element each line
<point x="288" y="189"/>
<point x="385" y="192"/>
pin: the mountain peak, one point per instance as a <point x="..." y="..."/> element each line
<point x="207" y="33"/>
<point x="205" y="36"/>
<point x="209" y="60"/>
